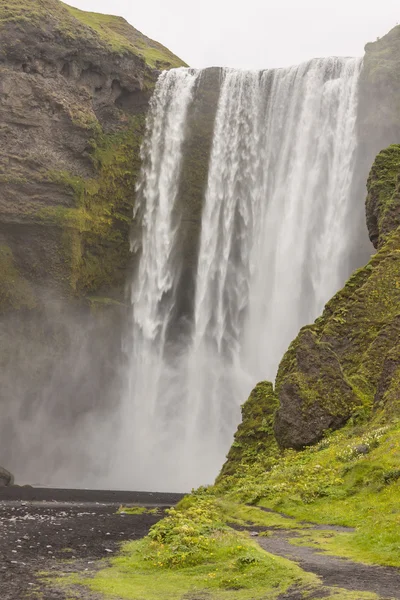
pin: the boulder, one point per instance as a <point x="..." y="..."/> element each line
<point x="6" y="478"/>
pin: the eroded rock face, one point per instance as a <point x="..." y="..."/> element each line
<point x="379" y="118"/>
<point x="74" y="90"/>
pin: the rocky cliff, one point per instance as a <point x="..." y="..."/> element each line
<point x="74" y="90"/>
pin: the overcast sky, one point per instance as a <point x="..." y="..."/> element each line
<point x="255" y="34"/>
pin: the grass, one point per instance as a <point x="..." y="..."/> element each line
<point x="334" y="483"/>
<point x="236" y="568"/>
<point x="376" y="518"/>
<point x="113" y="33"/>
<point x="251" y="515"/>
<point x="192" y="550"/>
<point x="138" y="510"/>
<point x="351" y="478"/>
<point x="122" y="37"/>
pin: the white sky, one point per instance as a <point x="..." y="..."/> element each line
<point x="255" y="34"/>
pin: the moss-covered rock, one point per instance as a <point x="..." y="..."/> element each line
<point x="313" y="393"/>
<point x="255" y="435"/>
<point x="96" y="229"/>
<point x="113" y="33"/>
<point x="347" y="361"/>
<point x="383" y="200"/>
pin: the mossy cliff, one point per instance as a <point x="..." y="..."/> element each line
<point x="74" y="92"/>
<point x="347" y="364"/>
<point x="340" y="365"/>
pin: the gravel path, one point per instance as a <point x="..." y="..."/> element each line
<point x="333" y="571"/>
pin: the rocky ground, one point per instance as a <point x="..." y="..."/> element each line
<point x="39" y="528"/>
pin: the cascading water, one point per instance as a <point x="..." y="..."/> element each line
<point x="273" y="240"/>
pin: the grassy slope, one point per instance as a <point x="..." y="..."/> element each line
<point x="335" y="483"/>
<point x="111" y="32"/>
<point x="351" y="478"/>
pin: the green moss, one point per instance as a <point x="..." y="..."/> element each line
<point x="113" y="33"/>
<point x="383" y="200"/>
<point x="96" y="231"/>
<point x="138" y="510"/>
<point x="193" y="552"/>
<point x="15" y="292"/>
<point x="337" y="365"/>
<point x="351" y="478"/>
<point x="122" y="37"/>
<point x="255" y="435"/>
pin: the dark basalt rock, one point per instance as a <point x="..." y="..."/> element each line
<point x="6" y="478"/>
<point x="313" y="393"/>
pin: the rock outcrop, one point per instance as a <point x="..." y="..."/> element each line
<point x="255" y="435"/>
<point x="73" y="92"/>
<point x="379" y="114"/>
<point x="351" y="363"/>
<point x="348" y="361"/>
<point x="6" y="478"/>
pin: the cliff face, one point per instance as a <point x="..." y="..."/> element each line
<point x="74" y="90"/>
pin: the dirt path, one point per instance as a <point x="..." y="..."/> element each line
<point x="333" y="571"/>
<point x="47" y="526"/>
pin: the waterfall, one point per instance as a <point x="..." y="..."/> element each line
<point x="274" y="237"/>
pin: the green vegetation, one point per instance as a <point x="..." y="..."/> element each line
<point x="192" y="551"/>
<point x="236" y="569"/>
<point x="122" y="37"/>
<point x="351" y="478"/>
<point x="138" y="510"/>
<point x="96" y="230"/>
<point x="255" y="435"/>
<point x="112" y="33"/>
<point x="384" y="195"/>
